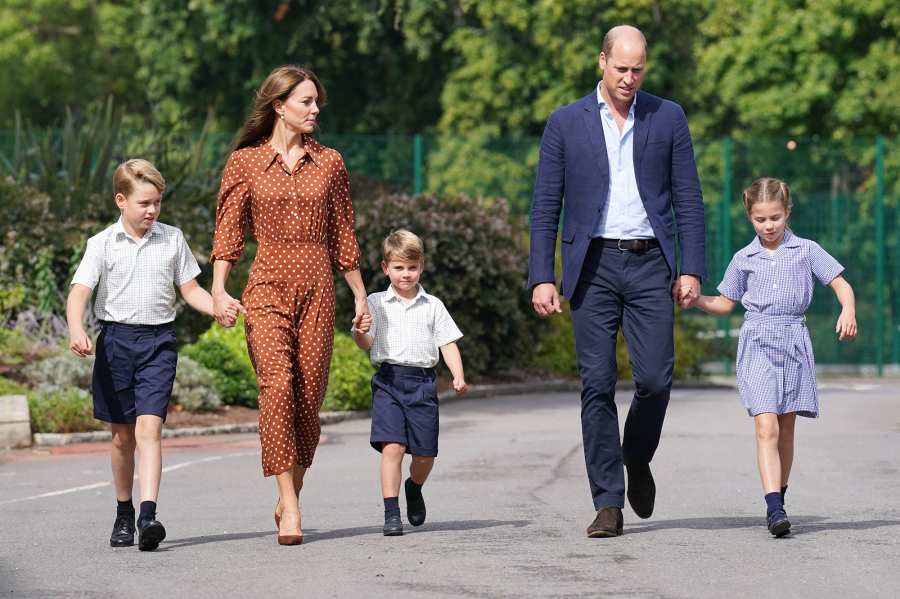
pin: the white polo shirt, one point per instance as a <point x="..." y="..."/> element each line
<point x="409" y="334"/>
<point x="136" y="278"/>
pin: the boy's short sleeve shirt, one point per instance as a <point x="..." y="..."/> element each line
<point x="778" y="283"/>
<point x="409" y="334"/>
<point x="135" y="279"/>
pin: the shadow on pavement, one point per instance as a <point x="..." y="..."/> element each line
<point x="202" y="540"/>
<point x="342" y="533"/>
<point x="801" y="524"/>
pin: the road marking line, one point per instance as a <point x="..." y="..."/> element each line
<point x="107" y="484"/>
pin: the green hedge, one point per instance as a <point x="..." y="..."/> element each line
<point x="67" y="411"/>
<point x="349" y="378"/>
<point x="224" y="352"/>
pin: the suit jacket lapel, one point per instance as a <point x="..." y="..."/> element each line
<point x="641" y="130"/>
<point x="595" y="132"/>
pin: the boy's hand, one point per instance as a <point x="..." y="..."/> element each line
<point x="228" y="315"/>
<point x="846" y="325"/>
<point x="363" y="323"/>
<point x="80" y="343"/>
<point x="460" y="386"/>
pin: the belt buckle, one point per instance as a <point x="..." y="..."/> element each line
<point x="619" y="245"/>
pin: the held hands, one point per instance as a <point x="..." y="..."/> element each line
<point x="545" y="300"/>
<point x="460" y="386"/>
<point x="80" y="343"/>
<point x="226" y="309"/>
<point x="362" y="323"/>
<point x="846" y="325"/>
<point x="686" y="291"/>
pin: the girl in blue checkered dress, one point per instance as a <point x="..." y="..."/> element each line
<point x="772" y="278"/>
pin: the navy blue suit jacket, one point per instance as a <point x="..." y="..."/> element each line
<point x="574" y="165"/>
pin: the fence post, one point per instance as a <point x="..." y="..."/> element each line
<point x="725" y="230"/>
<point x="879" y="255"/>
<point x="418" y="158"/>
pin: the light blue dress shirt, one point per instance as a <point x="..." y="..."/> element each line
<point x="623" y="216"/>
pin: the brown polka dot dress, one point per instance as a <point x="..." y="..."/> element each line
<point x="303" y="223"/>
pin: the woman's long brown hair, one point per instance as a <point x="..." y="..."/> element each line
<point x="277" y="86"/>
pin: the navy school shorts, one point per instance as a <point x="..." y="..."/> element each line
<point x="405" y="409"/>
<point x="134" y="371"/>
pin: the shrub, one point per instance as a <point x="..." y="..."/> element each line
<point x="10" y="387"/>
<point x="195" y="387"/>
<point x="475" y="261"/>
<point x="224" y="352"/>
<point x="65" y="411"/>
<point x="59" y="372"/>
<point x="556" y="350"/>
<point x="349" y="377"/>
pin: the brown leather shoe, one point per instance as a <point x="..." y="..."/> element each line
<point x="608" y="523"/>
<point x="641" y="489"/>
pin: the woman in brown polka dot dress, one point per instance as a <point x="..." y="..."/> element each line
<point x="293" y="194"/>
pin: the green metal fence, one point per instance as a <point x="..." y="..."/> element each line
<point x="845" y="197"/>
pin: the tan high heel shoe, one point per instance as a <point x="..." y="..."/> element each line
<point x="290" y="539"/>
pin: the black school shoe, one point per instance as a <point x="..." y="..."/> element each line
<point x="415" y="504"/>
<point x="122" y="532"/>
<point x="150" y="534"/>
<point x="778" y="523"/>
<point x="393" y="527"/>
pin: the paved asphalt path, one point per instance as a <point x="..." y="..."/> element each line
<point x="507" y="508"/>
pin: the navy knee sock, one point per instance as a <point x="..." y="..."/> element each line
<point x="125" y="508"/>
<point x="774" y="502"/>
<point x="148" y="511"/>
<point x="391" y="507"/>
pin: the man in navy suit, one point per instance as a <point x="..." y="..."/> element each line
<point x="621" y="163"/>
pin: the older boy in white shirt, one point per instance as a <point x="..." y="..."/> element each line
<point x="408" y="327"/>
<point x="135" y="265"/>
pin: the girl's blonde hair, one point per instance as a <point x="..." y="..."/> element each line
<point x="767" y="189"/>
<point x="136" y="170"/>
<point x="277" y="86"/>
<point x="403" y="245"/>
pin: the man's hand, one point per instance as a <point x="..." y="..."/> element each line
<point x="80" y="343"/>
<point x="686" y="291"/>
<point x="545" y="299"/>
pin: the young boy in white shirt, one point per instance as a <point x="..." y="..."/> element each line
<point x="135" y="265"/>
<point x="407" y="329"/>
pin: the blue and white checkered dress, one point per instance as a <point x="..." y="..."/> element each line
<point x="776" y="370"/>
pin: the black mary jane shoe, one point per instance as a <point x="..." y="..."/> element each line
<point x="122" y="532"/>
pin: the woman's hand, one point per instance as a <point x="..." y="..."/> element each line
<point x="226" y="309"/>
<point x="361" y="308"/>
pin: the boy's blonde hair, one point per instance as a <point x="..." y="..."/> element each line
<point x="136" y="170"/>
<point x="403" y="245"/>
<point x="767" y="189"/>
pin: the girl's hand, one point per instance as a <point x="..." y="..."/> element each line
<point x="460" y="386"/>
<point x="846" y="325"/>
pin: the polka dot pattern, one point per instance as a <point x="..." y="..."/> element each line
<point x="302" y="220"/>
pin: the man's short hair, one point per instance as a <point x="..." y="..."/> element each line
<point x="613" y="34"/>
<point x="134" y="171"/>
<point x="403" y="245"/>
